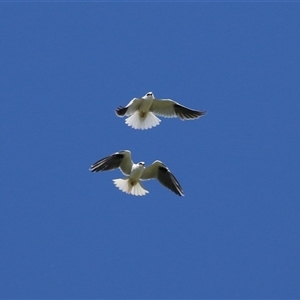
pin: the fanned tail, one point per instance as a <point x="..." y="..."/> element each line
<point x="126" y="186"/>
<point x="147" y="121"/>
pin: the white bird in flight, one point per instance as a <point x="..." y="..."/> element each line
<point x="131" y="184"/>
<point x="142" y="111"/>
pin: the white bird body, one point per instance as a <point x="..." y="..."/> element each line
<point x="136" y="171"/>
<point x="131" y="184"/>
<point x="140" y="116"/>
<point x="142" y="111"/>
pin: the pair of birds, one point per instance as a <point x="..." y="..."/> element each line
<point x="141" y="114"/>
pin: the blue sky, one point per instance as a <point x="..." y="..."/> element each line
<point x="69" y="233"/>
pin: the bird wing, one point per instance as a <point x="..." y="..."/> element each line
<point x="161" y="172"/>
<point x="121" y="159"/>
<point x="130" y="108"/>
<point x="171" y="109"/>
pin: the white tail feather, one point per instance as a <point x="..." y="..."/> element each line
<point x="146" y="122"/>
<point x="125" y="186"/>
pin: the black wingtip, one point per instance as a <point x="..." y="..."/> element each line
<point x="107" y="163"/>
<point x="94" y="168"/>
<point x="197" y="114"/>
<point x="121" y="111"/>
<point x="177" y="189"/>
<point x="185" y="113"/>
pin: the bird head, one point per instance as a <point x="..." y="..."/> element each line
<point x="141" y="163"/>
<point x="149" y="95"/>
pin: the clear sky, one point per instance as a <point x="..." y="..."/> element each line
<point x="69" y="233"/>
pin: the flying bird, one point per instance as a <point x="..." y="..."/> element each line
<point x="131" y="183"/>
<point x="142" y="112"/>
